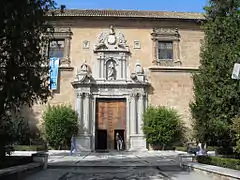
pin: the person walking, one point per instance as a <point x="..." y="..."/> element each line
<point x="73" y="144"/>
<point x="119" y="142"/>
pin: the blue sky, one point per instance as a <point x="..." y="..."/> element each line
<point x="159" y="5"/>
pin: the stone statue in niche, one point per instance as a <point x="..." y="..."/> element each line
<point x="111" y="71"/>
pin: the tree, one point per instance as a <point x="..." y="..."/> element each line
<point x="23" y="78"/>
<point x="60" y="123"/>
<point x="236" y="129"/>
<point x="162" y="126"/>
<point x="217" y="96"/>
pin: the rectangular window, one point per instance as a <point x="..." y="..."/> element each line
<point x="165" y="50"/>
<point x="56" y="48"/>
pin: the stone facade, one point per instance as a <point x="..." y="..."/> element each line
<point x="116" y="57"/>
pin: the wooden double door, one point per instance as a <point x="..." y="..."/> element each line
<point x="110" y="119"/>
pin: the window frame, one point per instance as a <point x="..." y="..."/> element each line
<point x="64" y="34"/>
<point x="159" y="49"/>
<point x="49" y="47"/>
<point x="166" y="35"/>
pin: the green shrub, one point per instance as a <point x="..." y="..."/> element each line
<point x="181" y="148"/>
<point x="29" y="148"/>
<point x="212" y="148"/>
<point x="218" y="161"/>
<point x="60" y="123"/>
<point x="162" y="126"/>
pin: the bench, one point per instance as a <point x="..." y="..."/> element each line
<point x="185" y="158"/>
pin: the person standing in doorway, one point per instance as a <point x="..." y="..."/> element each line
<point x="119" y="142"/>
<point x="73" y="144"/>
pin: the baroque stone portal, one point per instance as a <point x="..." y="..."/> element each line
<point x="110" y="99"/>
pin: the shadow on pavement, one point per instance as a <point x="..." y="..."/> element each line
<point x="113" y="165"/>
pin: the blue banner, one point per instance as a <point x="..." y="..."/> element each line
<point x="54" y="63"/>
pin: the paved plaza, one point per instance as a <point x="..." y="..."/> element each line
<point x="159" y="165"/>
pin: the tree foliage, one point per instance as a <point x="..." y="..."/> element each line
<point x="162" y="126"/>
<point x="236" y="129"/>
<point x="23" y="79"/>
<point x="60" y="123"/>
<point x="217" y="96"/>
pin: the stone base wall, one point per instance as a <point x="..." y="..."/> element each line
<point x="137" y="143"/>
<point x="213" y="172"/>
<point x="84" y="143"/>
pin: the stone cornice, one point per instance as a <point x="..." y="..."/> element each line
<point x="109" y="85"/>
<point x="126" y="14"/>
<point x="173" y="69"/>
<point x="66" y="68"/>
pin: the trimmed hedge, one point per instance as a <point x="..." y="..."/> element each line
<point x="183" y="148"/>
<point x="180" y="148"/>
<point x="218" y="161"/>
<point x="29" y="148"/>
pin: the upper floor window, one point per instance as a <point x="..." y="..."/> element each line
<point x="56" y="48"/>
<point x="165" y="50"/>
<point x="166" y="46"/>
<point x="59" y="46"/>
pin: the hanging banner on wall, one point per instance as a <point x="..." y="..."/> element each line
<point x="54" y="63"/>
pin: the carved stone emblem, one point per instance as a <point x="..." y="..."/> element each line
<point x="111" y="41"/>
<point x="111" y="38"/>
<point x="86" y="44"/>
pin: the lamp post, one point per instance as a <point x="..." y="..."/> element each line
<point x="236" y="71"/>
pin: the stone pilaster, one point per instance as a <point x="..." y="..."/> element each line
<point x="84" y="140"/>
<point x="65" y="62"/>
<point x="140" y="113"/>
<point x="79" y="110"/>
<point x="137" y="140"/>
<point x="133" y="113"/>
<point x="87" y="112"/>
<point x="128" y="108"/>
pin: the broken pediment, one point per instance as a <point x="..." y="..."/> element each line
<point x="138" y="76"/>
<point x="165" y="33"/>
<point x="84" y="74"/>
<point x="111" y="41"/>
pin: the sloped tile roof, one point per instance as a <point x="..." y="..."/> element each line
<point x="129" y="14"/>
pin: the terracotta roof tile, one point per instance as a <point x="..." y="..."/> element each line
<point x="129" y="14"/>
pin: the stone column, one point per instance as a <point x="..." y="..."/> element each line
<point x="86" y="112"/>
<point x="77" y="103"/>
<point x="67" y="47"/>
<point x="133" y="121"/>
<point x="140" y="113"/>
<point x="124" y="70"/>
<point x="84" y="141"/>
<point x="79" y="110"/>
<point x="66" y="61"/>
<point x="101" y="64"/>
<point x="128" y="132"/>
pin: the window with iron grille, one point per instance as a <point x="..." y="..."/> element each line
<point x="56" y="48"/>
<point x="165" y="50"/>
